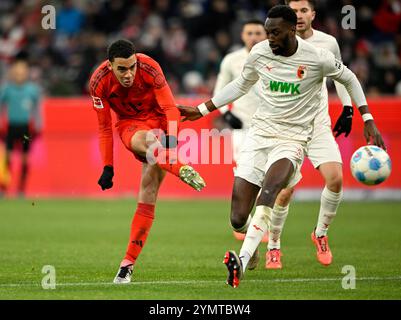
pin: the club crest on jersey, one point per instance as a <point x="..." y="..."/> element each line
<point x="301" y="72"/>
<point x="97" y="103"/>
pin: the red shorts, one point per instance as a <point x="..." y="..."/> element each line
<point x="128" y="127"/>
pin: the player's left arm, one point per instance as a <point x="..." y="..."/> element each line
<point x="335" y="69"/>
<point x="344" y="122"/>
<point x="165" y="99"/>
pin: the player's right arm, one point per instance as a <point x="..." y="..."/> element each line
<point x="231" y="92"/>
<point x="102" y="109"/>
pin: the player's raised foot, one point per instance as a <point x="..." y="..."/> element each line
<point x="254" y="261"/>
<point x="192" y="178"/>
<point x="323" y="252"/>
<point x="123" y="275"/>
<point x="234" y="267"/>
<point x="273" y="259"/>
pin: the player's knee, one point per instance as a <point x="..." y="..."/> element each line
<point x="335" y="182"/>
<point x="284" y="197"/>
<point x="269" y="194"/>
<point x="238" y="218"/>
<point x="139" y="142"/>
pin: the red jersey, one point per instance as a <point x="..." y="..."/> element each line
<point x="149" y="97"/>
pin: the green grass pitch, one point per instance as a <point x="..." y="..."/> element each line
<point x="85" y="239"/>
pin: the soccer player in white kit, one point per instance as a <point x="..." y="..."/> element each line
<point x="291" y="73"/>
<point x="240" y="116"/>
<point x="322" y="150"/>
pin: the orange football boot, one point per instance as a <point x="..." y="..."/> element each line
<point x="241" y="236"/>
<point x="323" y="253"/>
<point x="273" y="259"/>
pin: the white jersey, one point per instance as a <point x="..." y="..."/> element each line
<point x="231" y="68"/>
<point x="326" y="41"/>
<point x="290" y="88"/>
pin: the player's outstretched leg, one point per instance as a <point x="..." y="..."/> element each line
<point x="234" y="268"/>
<point x="146" y="146"/>
<point x="276" y="178"/>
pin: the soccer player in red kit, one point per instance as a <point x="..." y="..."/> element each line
<point x="134" y="87"/>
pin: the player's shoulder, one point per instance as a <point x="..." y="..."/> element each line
<point x="150" y="70"/>
<point x="260" y="49"/>
<point x="98" y="76"/>
<point x="146" y="63"/>
<point x="311" y="51"/>
<point x="242" y="52"/>
<point x="325" y="37"/>
<point x="261" y="46"/>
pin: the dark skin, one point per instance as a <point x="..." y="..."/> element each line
<point x="282" y="41"/>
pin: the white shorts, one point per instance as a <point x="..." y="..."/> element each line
<point x="238" y="138"/>
<point x="323" y="147"/>
<point x="259" y="153"/>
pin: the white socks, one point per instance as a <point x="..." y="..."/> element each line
<point x="328" y="208"/>
<point x="276" y="227"/>
<point x="257" y="228"/>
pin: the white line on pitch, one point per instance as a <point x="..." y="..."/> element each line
<point x="186" y="282"/>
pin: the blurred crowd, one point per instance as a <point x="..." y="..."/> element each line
<point x="188" y="38"/>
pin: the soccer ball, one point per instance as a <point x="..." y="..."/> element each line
<point x="370" y="165"/>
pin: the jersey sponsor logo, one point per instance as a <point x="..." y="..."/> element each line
<point x="97" y="103"/>
<point x="301" y="72"/>
<point x="284" y="87"/>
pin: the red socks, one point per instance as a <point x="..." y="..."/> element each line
<point x="165" y="157"/>
<point x="140" y="227"/>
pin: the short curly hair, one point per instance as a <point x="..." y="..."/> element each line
<point x="120" y="49"/>
<point x="285" y="12"/>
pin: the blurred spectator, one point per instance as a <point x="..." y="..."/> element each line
<point x="69" y="19"/>
<point x="21" y="100"/>
<point x="184" y="36"/>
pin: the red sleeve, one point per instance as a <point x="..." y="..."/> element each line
<point x="163" y="96"/>
<point x="102" y="109"/>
